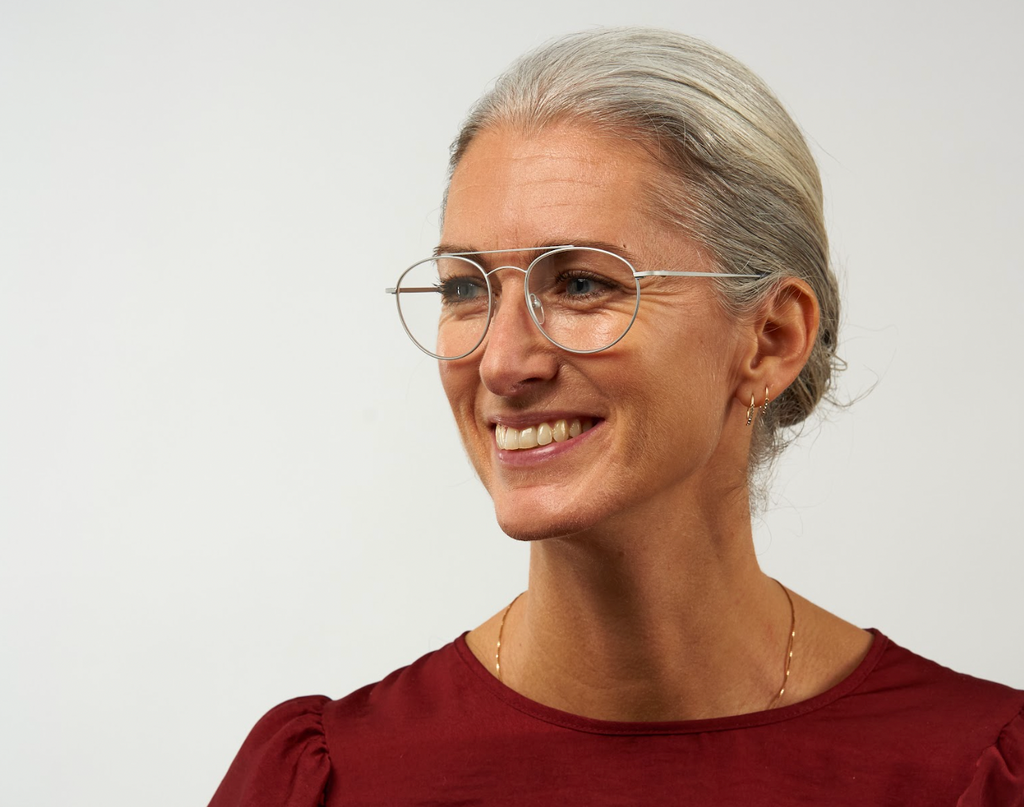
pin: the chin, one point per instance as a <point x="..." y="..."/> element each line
<point x="533" y="523"/>
<point x="532" y="531"/>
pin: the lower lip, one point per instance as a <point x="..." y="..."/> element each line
<point x="524" y="457"/>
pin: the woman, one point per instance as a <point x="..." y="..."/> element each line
<point x="630" y="302"/>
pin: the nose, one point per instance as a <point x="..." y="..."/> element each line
<point x="516" y="355"/>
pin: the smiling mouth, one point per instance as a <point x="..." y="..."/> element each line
<point x="541" y="434"/>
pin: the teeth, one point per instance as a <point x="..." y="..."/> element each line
<point x="544" y="434"/>
<point x="507" y="438"/>
<point x="511" y="439"/>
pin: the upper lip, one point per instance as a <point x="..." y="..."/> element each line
<point x="522" y="420"/>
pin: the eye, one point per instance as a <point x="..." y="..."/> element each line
<point x="581" y="277"/>
<point x="583" y="284"/>
<point x="456" y="290"/>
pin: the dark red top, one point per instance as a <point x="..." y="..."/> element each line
<point x="900" y="730"/>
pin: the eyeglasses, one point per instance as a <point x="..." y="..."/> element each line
<point x="583" y="299"/>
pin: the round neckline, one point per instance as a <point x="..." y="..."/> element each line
<point x="614" y="727"/>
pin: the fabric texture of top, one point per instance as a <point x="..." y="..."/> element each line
<point x="900" y="730"/>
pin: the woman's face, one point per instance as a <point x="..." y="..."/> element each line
<point x="656" y="402"/>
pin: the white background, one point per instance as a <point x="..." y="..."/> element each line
<point x="226" y="478"/>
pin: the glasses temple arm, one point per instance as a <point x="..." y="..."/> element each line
<point x="669" y="273"/>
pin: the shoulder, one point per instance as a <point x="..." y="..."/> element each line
<point x="903" y="676"/>
<point x="283" y="762"/>
<point x="431" y="691"/>
<point x="288" y="759"/>
<point x="959" y="727"/>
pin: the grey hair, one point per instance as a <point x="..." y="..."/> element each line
<point x="738" y="177"/>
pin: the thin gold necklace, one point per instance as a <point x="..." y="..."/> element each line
<point x="501" y="629"/>
<point x="789" y="646"/>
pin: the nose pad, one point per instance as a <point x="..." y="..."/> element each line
<point x="537" y="309"/>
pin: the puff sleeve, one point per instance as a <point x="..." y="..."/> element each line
<point x="999" y="777"/>
<point x="283" y="762"/>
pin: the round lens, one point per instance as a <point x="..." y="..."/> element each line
<point x="583" y="299"/>
<point x="444" y="305"/>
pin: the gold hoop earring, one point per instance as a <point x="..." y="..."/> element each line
<point x="750" y="410"/>
<point x="764" y="406"/>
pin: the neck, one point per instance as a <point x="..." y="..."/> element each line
<point x="650" y="621"/>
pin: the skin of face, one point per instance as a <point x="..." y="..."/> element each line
<point x="663" y="400"/>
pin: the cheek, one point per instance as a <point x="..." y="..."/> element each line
<point x="459" y="380"/>
<point x="680" y="397"/>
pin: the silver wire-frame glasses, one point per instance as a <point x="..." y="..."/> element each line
<point x="582" y="299"/>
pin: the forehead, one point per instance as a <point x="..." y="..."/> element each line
<point x="557" y="185"/>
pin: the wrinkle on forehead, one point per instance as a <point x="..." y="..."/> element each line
<point x="506" y="176"/>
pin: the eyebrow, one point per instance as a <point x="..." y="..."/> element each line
<point x="461" y="249"/>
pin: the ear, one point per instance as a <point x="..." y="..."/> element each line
<point x="783" y="333"/>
